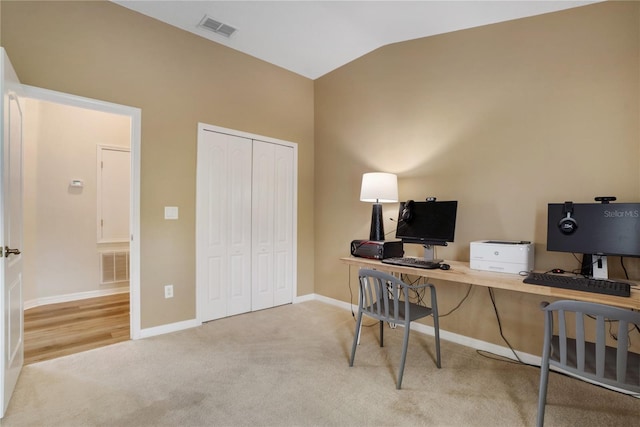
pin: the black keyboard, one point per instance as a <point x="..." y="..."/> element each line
<point x="412" y="262"/>
<point x="599" y="286"/>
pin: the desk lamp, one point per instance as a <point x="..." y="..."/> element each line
<point x="378" y="187"/>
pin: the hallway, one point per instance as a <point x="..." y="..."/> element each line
<point x="56" y="330"/>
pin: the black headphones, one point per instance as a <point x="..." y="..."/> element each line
<point x="407" y="211"/>
<point x="567" y="224"/>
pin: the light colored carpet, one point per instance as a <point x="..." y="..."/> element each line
<point x="288" y="366"/>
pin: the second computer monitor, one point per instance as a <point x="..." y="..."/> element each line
<point x="594" y="230"/>
<point x="427" y="223"/>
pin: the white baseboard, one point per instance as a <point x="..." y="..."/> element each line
<point x="73" y="297"/>
<point x="193" y="323"/>
<point x="304" y="298"/>
<point x="476" y="344"/>
<point x="171" y="327"/>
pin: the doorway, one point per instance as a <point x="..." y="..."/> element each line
<point x="76" y="188"/>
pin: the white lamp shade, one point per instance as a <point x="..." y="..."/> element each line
<point x="379" y="187"/>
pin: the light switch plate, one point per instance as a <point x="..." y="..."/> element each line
<point x="170" y="212"/>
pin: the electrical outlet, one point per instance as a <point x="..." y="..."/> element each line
<point x="168" y="291"/>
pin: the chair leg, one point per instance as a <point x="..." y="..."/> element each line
<point x="381" y="333"/>
<point x="436" y="325"/>
<point x="405" y="343"/>
<point x="436" y="328"/>
<point x="542" y="393"/>
<point x="356" y="338"/>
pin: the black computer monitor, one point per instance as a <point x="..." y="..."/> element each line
<point x="594" y="230"/>
<point x="427" y="223"/>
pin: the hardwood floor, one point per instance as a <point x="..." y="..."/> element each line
<point x="56" y="330"/>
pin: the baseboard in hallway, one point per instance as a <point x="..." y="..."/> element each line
<point x="56" y="330"/>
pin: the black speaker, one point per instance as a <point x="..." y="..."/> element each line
<point x="568" y="224"/>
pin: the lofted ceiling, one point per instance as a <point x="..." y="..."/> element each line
<point x="312" y="38"/>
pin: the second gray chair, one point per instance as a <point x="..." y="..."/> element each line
<point x="588" y="358"/>
<point x="387" y="299"/>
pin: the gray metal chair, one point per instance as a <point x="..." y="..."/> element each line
<point x="584" y="356"/>
<point x="386" y="298"/>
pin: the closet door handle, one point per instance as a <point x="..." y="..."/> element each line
<point x="8" y="251"/>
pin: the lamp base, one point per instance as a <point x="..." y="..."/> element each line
<point x="377" y="226"/>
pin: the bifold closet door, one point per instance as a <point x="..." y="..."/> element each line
<point x="272" y="230"/>
<point x="224" y="225"/>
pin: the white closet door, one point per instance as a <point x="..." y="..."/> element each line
<point x="272" y="231"/>
<point x="263" y="229"/>
<point x="283" y="226"/>
<point x="224" y="225"/>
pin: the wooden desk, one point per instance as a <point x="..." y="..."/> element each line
<point x="461" y="273"/>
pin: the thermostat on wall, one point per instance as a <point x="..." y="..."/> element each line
<point x="76" y="183"/>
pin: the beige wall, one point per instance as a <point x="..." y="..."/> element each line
<point x="60" y="222"/>
<point x="503" y="118"/>
<point x="103" y="51"/>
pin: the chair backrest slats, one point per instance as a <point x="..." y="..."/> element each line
<point x="395" y="296"/>
<point x="384" y="296"/>
<point x="580" y="353"/>
<point x="600" y="346"/>
<point x="383" y="303"/>
<point x="562" y="325"/>
<point x="380" y="298"/>
<point x="621" y="356"/>
<point x="367" y="289"/>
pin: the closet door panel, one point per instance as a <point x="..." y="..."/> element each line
<point x="224" y="225"/>
<point x="212" y="269"/>
<point x="263" y="225"/>
<point x="239" y="226"/>
<point x="283" y="225"/>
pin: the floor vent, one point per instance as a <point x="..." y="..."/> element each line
<point x="114" y="267"/>
<point x="217" y="27"/>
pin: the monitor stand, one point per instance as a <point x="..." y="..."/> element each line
<point x="595" y="266"/>
<point x="429" y="254"/>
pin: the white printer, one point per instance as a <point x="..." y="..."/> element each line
<point x="501" y="256"/>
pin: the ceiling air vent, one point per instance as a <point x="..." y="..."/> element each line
<point x="217" y="26"/>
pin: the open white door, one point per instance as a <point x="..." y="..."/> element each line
<point x="11" y="319"/>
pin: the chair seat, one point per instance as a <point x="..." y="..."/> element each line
<point x="633" y="362"/>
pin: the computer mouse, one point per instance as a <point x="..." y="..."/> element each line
<point x="445" y="266"/>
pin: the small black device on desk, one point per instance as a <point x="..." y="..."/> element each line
<point x="377" y="249"/>
<point x="600" y="286"/>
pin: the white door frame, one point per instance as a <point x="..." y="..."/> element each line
<point x="136" y="124"/>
